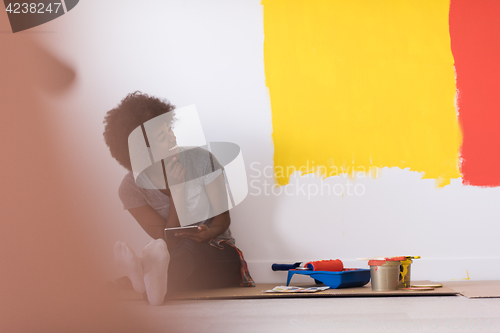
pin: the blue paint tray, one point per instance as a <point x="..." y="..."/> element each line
<point x="349" y="277"/>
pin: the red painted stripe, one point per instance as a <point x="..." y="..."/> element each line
<point x="475" y="43"/>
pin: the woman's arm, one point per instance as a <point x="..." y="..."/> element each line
<point x="152" y="222"/>
<point x="149" y="219"/>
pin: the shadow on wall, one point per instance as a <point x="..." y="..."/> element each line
<point x="49" y="282"/>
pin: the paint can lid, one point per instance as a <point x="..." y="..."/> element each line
<point x="376" y="262"/>
<point x="427" y="285"/>
<point x="419" y="288"/>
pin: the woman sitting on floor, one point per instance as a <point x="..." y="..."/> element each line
<point x="206" y="258"/>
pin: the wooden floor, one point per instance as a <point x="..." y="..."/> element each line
<point x="329" y="314"/>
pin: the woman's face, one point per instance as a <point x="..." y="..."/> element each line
<point x="165" y="139"/>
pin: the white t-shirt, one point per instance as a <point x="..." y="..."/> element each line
<point x="201" y="169"/>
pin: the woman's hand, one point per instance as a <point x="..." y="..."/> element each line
<point x="203" y="235"/>
<point x="175" y="171"/>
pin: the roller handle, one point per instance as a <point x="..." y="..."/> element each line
<point x="284" y="267"/>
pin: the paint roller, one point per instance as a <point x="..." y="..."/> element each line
<point x="332" y="265"/>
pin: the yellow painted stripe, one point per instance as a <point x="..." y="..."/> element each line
<point x="357" y="84"/>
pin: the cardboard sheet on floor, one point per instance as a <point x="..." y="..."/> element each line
<point x="258" y="292"/>
<point x="475" y="289"/>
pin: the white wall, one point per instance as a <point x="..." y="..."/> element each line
<point x="210" y="53"/>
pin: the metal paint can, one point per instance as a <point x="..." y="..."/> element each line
<point x="384" y="274"/>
